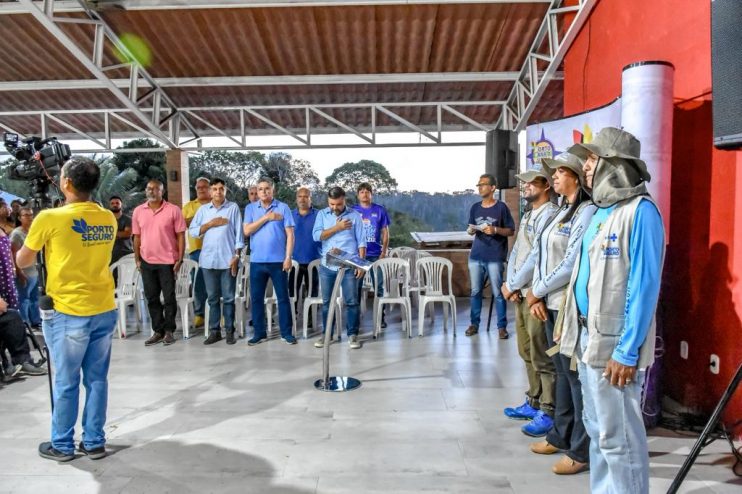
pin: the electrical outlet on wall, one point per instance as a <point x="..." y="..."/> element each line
<point x="684" y="350"/>
<point x="714" y="364"/>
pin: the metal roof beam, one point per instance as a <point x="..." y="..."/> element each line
<point x="528" y="89"/>
<point x="394" y="104"/>
<point x="45" y="17"/>
<point x="286" y="80"/>
<point x="73" y="6"/>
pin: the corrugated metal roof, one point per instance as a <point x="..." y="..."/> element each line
<point x="291" y="41"/>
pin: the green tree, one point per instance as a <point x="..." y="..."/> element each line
<point x="290" y="174"/>
<point x="402" y="225"/>
<point x="349" y="175"/>
<point x="242" y="169"/>
<point x="235" y="192"/>
<point x="118" y="183"/>
<point x="147" y="165"/>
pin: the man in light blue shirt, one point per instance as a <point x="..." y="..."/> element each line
<point x="270" y="226"/>
<point x="218" y="225"/>
<point x="340" y="227"/>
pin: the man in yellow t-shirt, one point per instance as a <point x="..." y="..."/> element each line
<point x="203" y="196"/>
<point x="77" y="240"/>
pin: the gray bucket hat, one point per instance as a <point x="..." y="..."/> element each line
<point x="530" y="175"/>
<point x="611" y="143"/>
<point x="564" y="160"/>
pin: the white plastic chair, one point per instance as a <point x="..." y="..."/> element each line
<point x="430" y="274"/>
<point x="125" y="292"/>
<point x="311" y="303"/>
<point x="183" y="296"/>
<point x="411" y="256"/>
<point x="395" y="274"/>
<point x="271" y="300"/>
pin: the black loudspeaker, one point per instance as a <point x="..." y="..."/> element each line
<point x="726" y="72"/>
<point x="501" y="159"/>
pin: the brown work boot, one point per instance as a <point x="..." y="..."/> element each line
<point x="503" y="333"/>
<point x="567" y="466"/>
<point x="168" y="339"/>
<point x="543" y="448"/>
<point x="471" y="330"/>
<point x="154" y="339"/>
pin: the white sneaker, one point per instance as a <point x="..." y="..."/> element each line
<point x="320" y="343"/>
<point x="353" y="342"/>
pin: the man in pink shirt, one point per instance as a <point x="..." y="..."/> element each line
<point x="159" y="229"/>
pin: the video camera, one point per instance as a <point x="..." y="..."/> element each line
<point x="39" y="159"/>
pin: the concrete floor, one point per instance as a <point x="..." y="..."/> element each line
<point x="428" y="418"/>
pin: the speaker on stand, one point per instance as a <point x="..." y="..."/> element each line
<point x="726" y="73"/>
<point x="501" y="159"/>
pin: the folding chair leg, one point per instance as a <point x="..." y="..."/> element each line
<point x="408" y="314"/>
<point x="445" y="316"/>
<point x="184" y="320"/>
<point x="453" y="316"/>
<point x="421" y="317"/>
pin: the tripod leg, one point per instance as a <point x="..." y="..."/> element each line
<point x="710" y="426"/>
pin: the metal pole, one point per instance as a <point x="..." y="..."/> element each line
<point x="329" y="383"/>
<point x="710" y="426"/>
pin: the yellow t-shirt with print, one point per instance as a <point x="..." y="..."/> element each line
<point x="77" y="240"/>
<point x="189" y="212"/>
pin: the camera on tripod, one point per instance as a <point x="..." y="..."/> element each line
<point x="37" y="158"/>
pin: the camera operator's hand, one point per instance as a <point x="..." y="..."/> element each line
<point x="3" y="306"/>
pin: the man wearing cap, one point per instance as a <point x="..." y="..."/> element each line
<point x="532" y="343"/>
<point x="491" y="223"/>
<point x="609" y="324"/>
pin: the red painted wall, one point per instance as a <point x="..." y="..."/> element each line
<point x="701" y="301"/>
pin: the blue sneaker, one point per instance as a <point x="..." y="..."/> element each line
<point x="539" y="426"/>
<point x="523" y="412"/>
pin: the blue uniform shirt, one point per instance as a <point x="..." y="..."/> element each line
<point x="219" y="242"/>
<point x="268" y="244"/>
<point x="347" y="240"/>
<point x="375" y="219"/>
<point x="645" y="250"/>
<point x="306" y="249"/>
<point x="490" y="248"/>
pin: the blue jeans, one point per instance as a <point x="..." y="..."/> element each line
<point x="220" y="284"/>
<point x="477" y="272"/>
<point x="260" y="273"/>
<point x="28" y="300"/>
<point x="349" y="285"/>
<point x="199" y="287"/>
<point x="79" y="343"/>
<point x="619" y="455"/>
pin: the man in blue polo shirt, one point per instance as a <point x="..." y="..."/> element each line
<point x="270" y="226"/>
<point x="217" y="224"/>
<point x="339" y="227"/>
<point x="306" y="249"/>
<point x="376" y="228"/>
